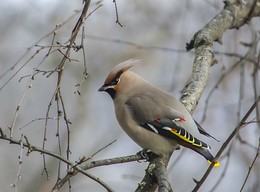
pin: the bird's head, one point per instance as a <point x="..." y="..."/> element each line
<point x="113" y="81"/>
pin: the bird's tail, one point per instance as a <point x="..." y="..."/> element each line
<point x="205" y="153"/>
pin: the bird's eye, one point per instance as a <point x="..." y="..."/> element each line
<point x="115" y="81"/>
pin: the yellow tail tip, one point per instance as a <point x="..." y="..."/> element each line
<point x="216" y="164"/>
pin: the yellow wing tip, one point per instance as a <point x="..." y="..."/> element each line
<point x="216" y="164"/>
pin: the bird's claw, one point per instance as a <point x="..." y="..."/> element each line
<point x="146" y="154"/>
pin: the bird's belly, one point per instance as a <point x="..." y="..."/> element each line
<point x="156" y="143"/>
<point x="149" y="140"/>
<point x="144" y="138"/>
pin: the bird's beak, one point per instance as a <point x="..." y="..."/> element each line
<point x="105" y="87"/>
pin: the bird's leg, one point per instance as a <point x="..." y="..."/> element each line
<point x="147" y="154"/>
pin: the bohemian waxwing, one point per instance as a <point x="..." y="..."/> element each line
<point x="154" y="119"/>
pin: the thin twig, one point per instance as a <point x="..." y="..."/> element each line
<point x="88" y="165"/>
<point x="221" y="177"/>
<point x="248" y="56"/>
<point x="18" y="175"/>
<point x="225" y="144"/>
<point x="58" y="26"/>
<point x="32" y="148"/>
<point x="37" y="119"/>
<point x="117" y="17"/>
<point x="58" y="122"/>
<point x="251" y="166"/>
<point x="85" y="73"/>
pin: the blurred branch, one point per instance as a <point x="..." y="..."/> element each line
<point x="133" y="44"/>
<point x="58" y="26"/>
<point x="249" y="57"/>
<point x="227" y="155"/>
<point x="162" y="49"/>
<point x="57" y="95"/>
<point x="32" y="148"/>
<point x="20" y="157"/>
<point x="251" y="166"/>
<point x="225" y="144"/>
<point x="234" y="15"/>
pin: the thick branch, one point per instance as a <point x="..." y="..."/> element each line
<point x="156" y="175"/>
<point x="234" y="15"/>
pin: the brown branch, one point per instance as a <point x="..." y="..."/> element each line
<point x="156" y="175"/>
<point x="232" y="16"/>
<point x="85" y="73"/>
<point x="251" y="166"/>
<point x="32" y="148"/>
<point x="249" y="56"/>
<point x="74" y="167"/>
<point x="117" y="16"/>
<point x="88" y="165"/>
<point x="225" y="144"/>
<point x="221" y="177"/>
<point x="58" y="26"/>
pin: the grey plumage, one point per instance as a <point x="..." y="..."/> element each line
<point x="154" y="119"/>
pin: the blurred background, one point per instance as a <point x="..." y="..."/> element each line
<point x="153" y="32"/>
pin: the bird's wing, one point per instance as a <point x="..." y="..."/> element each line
<point x="145" y="107"/>
<point x="169" y="128"/>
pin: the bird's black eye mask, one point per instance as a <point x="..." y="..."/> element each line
<point x="116" y="79"/>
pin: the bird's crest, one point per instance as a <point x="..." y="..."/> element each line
<point x="121" y="68"/>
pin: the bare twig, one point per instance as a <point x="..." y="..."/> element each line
<point x="117" y="17"/>
<point x="37" y="119"/>
<point x="29" y="49"/>
<point x="221" y="79"/>
<point x="251" y="166"/>
<point x="249" y="57"/>
<point x="85" y="72"/>
<point x="75" y="169"/>
<point x="225" y="144"/>
<point x="32" y="148"/>
<point x="221" y="177"/>
<point x="17" y="111"/>
<point x="136" y="45"/>
<point x="18" y="175"/>
<point x="88" y="165"/>
<point x="58" y="122"/>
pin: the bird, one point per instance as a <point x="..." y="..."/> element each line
<point x="151" y="117"/>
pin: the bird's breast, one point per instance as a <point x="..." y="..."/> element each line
<point x="144" y="138"/>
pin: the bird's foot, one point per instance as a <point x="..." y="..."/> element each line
<point x="146" y="154"/>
